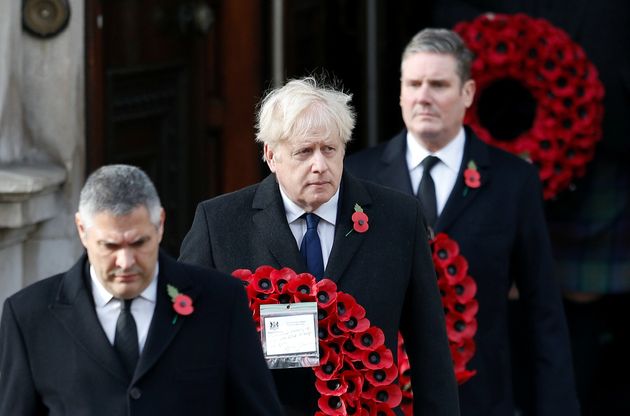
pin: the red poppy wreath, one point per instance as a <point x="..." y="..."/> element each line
<point x="538" y="95"/>
<point x="356" y="371"/>
<point x="458" y="290"/>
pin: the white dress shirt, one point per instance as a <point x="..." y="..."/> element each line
<point x="108" y="308"/>
<point x="327" y="213"/>
<point x="444" y="173"/>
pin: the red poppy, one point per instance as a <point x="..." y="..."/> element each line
<point x="456" y="269"/>
<point x="389" y="395"/>
<point x="360" y="222"/>
<point x="468" y="310"/>
<point x="472" y="178"/>
<point x="183" y="304"/>
<point x="444" y="249"/>
<point x="332" y="405"/>
<point x="328" y="368"/>
<point x="381" y="409"/>
<point x="465" y="289"/>
<point x="354" y="324"/>
<point x="351" y="351"/>
<point x="243" y="274"/>
<point x="382" y="376"/>
<point x="327" y="314"/>
<point x="264" y="270"/>
<point x="280" y="278"/>
<point x="355" y="407"/>
<point x="463" y="351"/>
<point x="369" y="339"/>
<point x="377" y="359"/>
<point x="458" y="328"/>
<point x="345" y="305"/>
<point x="336" y="330"/>
<point x="332" y="387"/>
<point x="302" y="287"/>
<point x="353" y="319"/>
<point x="261" y="283"/>
<point x="326" y="293"/>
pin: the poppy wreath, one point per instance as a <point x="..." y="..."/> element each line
<point x="357" y="371"/>
<point x="538" y="95"/>
<point x="458" y="291"/>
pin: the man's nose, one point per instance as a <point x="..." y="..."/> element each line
<point x="319" y="161"/>
<point x="125" y="258"/>
<point x="423" y="94"/>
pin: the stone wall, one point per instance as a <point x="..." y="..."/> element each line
<point x="42" y="147"/>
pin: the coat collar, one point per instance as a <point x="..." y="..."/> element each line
<point x="164" y="326"/>
<point x="73" y="306"/>
<point x="346" y="245"/>
<point x="394" y="173"/>
<point x="271" y="227"/>
<point x="461" y="196"/>
<point x="273" y="231"/>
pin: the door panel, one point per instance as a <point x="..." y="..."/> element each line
<point x="162" y="95"/>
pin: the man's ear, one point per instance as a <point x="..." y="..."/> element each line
<point x="468" y="90"/>
<point x="81" y="228"/>
<point x="269" y="157"/>
<point x="161" y="226"/>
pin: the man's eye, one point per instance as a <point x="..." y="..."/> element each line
<point x="138" y="243"/>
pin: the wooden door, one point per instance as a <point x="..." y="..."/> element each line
<point x="171" y="88"/>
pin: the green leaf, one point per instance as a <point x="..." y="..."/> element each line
<point x="357" y="208"/>
<point x="472" y="165"/>
<point x="172" y="291"/>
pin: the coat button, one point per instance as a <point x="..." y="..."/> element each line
<point x="135" y="393"/>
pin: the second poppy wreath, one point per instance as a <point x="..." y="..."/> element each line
<point x="538" y="96"/>
<point x="457" y="289"/>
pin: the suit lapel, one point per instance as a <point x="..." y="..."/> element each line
<point x="461" y="196"/>
<point x="272" y="231"/>
<point x="394" y="172"/>
<point x="163" y="326"/>
<point x="346" y="245"/>
<point x="74" y="308"/>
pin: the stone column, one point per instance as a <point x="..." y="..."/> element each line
<point x="12" y="143"/>
<point x="42" y="147"/>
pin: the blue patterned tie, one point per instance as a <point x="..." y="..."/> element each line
<point x="311" y="247"/>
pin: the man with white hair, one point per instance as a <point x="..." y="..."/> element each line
<point x="304" y="127"/>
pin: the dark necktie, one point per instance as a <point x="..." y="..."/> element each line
<point x="311" y="247"/>
<point x="426" y="190"/>
<point x="126" y="338"/>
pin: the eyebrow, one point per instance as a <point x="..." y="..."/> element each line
<point x="140" y="239"/>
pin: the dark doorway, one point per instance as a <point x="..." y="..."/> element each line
<point x="170" y="91"/>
